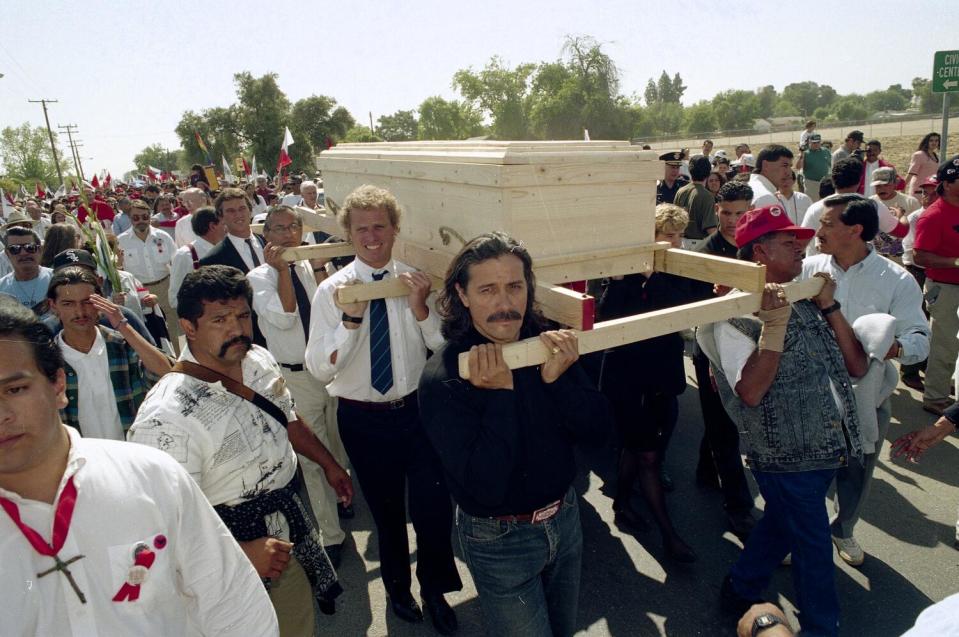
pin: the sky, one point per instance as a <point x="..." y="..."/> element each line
<point x="124" y="72"/>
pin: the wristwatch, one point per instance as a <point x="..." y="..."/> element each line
<point x="352" y="319"/>
<point x="832" y="308"/>
<point x="764" y="621"/>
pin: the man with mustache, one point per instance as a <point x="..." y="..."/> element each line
<point x="226" y="415"/>
<point x="28" y="281"/>
<point x="108" y="370"/>
<point x="506" y="440"/>
<point x="371" y="354"/>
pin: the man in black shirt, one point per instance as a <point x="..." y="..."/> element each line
<point x="505" y="438"/>
<point x="719" y="450"/>
<point x="672" y="181"/>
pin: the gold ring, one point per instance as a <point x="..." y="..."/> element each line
<point x="555" y="350"/>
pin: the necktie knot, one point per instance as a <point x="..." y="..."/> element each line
<point x="378" y="276"/>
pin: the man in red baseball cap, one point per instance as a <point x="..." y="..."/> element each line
<point x="784" y="378"/>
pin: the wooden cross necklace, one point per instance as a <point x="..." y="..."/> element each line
<point x="63" y="514"/>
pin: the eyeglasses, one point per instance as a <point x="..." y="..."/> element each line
<point x="17" y="248"/>
<point x="293" y="227"/>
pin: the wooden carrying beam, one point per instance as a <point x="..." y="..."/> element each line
<point x="745" y="276"/>
<point x="597" y="265"/>
<point x="386" y="289"/>
<point x="319" y="251"/>
<point x="608" y="334"/>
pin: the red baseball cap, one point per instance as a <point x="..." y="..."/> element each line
<point x="762" y="221"/>
<point x="932" y="181"/>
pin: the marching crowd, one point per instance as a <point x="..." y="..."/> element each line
<point x="260" y="385"/>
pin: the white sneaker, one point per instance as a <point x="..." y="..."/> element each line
<point x="849" y="550"/>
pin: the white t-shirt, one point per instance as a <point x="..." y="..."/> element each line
<point x="97" y="404"/>
<point x="887" y="221"/>
<point x="796" y="206"/>
<point x="868" y="189"/>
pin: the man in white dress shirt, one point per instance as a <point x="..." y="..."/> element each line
<point x="773" y="164"/>
<point x="866" y="283"/>
<point x="193" y="199"/>
<point x="282" y="293"/>
<point x="147" y="253"/>
<point x="125" y="542"/>
<point x="239" y="447"/>
<point x="209" y="229"/>
<point x="372" y="355"/>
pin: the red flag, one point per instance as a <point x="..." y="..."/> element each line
<point x="152" y="176"/>
<point x="284" y="150"/>
<point x="95" y="182"/>
<point x="106" y="182"/>
<point x="40" y="192"/>
<point x="246" y="167"/>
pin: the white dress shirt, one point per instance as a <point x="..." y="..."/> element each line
<point x="183" y="231"/>
<point x="149" y="260"/>
<point x="350" y="376"/>
<point x="182" y="265"/>
<point x="796" y="206"/>
<point x="292" y="200"/>
<point x="244" y="249"/>
<point x="878" y="285"/>
<point x="126" y="495"/>
<point x="283" y="331"/>
<point x="232" y="448"/>
<point x="764" y="192"/>
<point x="868" y="189"/>
<point x="97" y="404"/>
<point x="887" y="220"/>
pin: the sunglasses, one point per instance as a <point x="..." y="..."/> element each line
<point x="30" y="248"/>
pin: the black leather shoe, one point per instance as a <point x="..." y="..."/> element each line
<point x="741" y="524"/>
<point x="731" y="603"/>
<point x="630" y="521"/>
<point x="345" y="512"/>
<point x="442" y="616"/>
<point x="406" y="608"/>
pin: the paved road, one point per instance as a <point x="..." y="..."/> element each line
<point x="630" y="589"/>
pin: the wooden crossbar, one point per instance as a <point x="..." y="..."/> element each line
<point x="630" y="329"/>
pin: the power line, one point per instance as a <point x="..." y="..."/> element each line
<point x="74" y="145"/>
<point x="53" y="145"/>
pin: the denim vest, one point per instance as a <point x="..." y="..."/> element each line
<point x="796" y="426"/>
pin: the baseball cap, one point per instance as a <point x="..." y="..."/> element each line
<point x="746" y="159"/>
<point x="883" y="176"/>
<point x="74" y="257"/>
<point x="762" y="221"/>
<point x="948" y="170"/>
<point x="815" y="137"/>
<point x="932" y="181"/>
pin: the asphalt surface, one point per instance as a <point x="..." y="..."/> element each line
<point x="630" y="588"/>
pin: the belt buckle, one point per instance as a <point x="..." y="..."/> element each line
<point x="399" y="403"/>
<point x="548" y="511"/>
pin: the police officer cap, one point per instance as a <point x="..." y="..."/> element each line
<point x="672" y="157"/>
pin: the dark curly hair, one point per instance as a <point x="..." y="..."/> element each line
<point x="456" y="317"/>
<point x="211" y="283"/>
<point x="18" y="322"/>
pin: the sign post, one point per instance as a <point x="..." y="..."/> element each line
<point x="945" y="80"/>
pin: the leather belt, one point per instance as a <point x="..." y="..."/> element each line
<point x="390" y="405"/>
<point x="539" y="515"/>
<point x="296" y="367"/>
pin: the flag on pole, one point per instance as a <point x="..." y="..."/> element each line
<point x="227" y="173"/>
<point x="255" y="173"/>
<point x="40" y="192"/>
<point x="199" y="142"/>
<point x="246" y="167"/>
<point x="23" y="192"/>
<point x="61" y="191"/>
<point x="284" y="150"/>
<point x="153" y="174"/>
<point x="106" y="182"/>
<point x="95" y="182"/>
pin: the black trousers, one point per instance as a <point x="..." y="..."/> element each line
<point x="391" y="455"/>
<point x="721" y="438"/>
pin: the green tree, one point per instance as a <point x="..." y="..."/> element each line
<point x="735" y="110"/>
<point x="808" y="96"/>
<point x="160" y="157"/>
<point x="665" y="118"/>
<point x="499" y="93"/>
<point x="360" y="133"/>
<point x="262" y="112"/>
<point x="651" y="94"/>
<point x="850" y="107"/>
<point x="26" y="155"/>
<point x="401" y="126"/>
<point x="220" y="131"/>
<point x="892" y="99"/>
<point x="928" y="101"/>
<point x="766" y="101"/>
<point x="318" y="119"/>
<point x="699" y="118"/>
<point x="448" y="119"/>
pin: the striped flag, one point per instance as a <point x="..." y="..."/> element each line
<point x="199" y="142"/>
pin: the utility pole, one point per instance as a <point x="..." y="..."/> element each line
<point x="71" y="128"/>
<point x="371" y="125"/>
<point x="53" y="146"/>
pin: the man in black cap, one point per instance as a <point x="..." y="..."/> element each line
<point x="852" y="143"/>
<point x="669" y="185"/>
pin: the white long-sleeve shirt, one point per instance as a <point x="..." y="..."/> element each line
<point x="149" y="260"/>
<point x="349" y="377"/>
<point x="282" y="330"/>
<point x="200" y="582"/>
<point x="878" y="285"/>
<point x="182" y="265"/>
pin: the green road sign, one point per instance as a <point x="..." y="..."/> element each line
<point x="945" y="72"/>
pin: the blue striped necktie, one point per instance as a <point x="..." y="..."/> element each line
<point x="381" y="363"/>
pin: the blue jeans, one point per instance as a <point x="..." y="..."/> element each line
<point x="527" y="575"/>
<point x="795" y="520"/>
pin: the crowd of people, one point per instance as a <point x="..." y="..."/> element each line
<point x="154" y="314"/>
